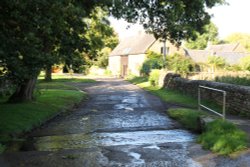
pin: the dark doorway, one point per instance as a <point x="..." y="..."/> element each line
<point x="124" y="66"/>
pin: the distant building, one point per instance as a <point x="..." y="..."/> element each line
<point x="232" y="53"/>
<point x="234" y="47"/>
<point x="129" y="55"/>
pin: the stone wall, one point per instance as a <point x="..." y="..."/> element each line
<point x="237" y="99"/>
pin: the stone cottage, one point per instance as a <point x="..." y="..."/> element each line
<point x="129" y="55"/>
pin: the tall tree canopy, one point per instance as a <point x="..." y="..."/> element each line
<point x="174" y="20"/>
<point x="242" y="38"/>
<point x="99" y="35"/>
<point x="210" y="34"/>
<point x="37" y="33"/>
<point x="33" y="33"/>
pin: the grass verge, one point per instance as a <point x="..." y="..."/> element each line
<point x="165" y="94"/>
<point x="186" y="117"/>
<point x="223" y="137"/>
<point x="52" y="98"/>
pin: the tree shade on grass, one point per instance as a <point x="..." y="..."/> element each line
<point x="21" y="117"/>
<point x="52" y="98"/>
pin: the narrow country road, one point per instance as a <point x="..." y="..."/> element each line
<point x="120" y="125"/>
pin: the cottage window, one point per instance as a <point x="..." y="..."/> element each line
<point x="167" y="50"/>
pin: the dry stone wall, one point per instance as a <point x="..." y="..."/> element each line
<point x="237" y="99"/>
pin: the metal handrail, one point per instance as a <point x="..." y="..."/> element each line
<point x="223" y="115"/>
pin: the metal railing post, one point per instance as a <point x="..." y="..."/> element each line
<point x="199" y="99"/>
<point x="224" y="105"/>
<point x="200" y="105"/>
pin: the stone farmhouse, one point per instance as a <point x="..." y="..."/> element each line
<point x="232" y="53"/>
<point x="129" y="55"/>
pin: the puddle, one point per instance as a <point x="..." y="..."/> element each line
<point x="153" y="147"/>
<point x="136" y="157"/>
<point x="52" y="143"/>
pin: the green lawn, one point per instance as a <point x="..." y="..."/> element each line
<point x="223" y="137"/>
<point x="66" y="78"/>
<point x="172" y="96"/>
<point x="51" y="98"/>
<point x="186" y="117"/>
<point x="167" y="95"/>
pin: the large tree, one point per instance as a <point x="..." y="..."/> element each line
<point x="172" y="20"/>
<point x="242" y="38"/>
<point x="33" y="32"/>
<point x="210" y="34"/>
<point x="100" y="36"/>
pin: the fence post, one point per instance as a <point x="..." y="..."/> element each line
<point x="224" y="105"/>
<point x="199" y="98"/>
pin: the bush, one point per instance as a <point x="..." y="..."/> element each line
<point x="245" y="63"/>
<point x="245" y="81"/>
<point x="223" y="137"/>
<point x="154" y="77"/>
<point x="180" y="64"/>
<point x="2" y="148"/>
<point x="153" y="61"/>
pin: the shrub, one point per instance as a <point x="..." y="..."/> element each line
<point x="216" y="62"/>
<point x="180" y="64"/>
<point x="2" y="148"/>
<point x="245" y="81"/>
<point x="154" y="77"/>
<point x="153" y="61"/>
<point x="223" y="137"/>
<point x="245" y="63"/>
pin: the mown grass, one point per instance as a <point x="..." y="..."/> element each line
<point x="187" y="117"/>
<point x="51" y="98"/>
<point x="223" y="137"/>
<point x="67" y="78"/>
<point x="245" y="81"/>
<point x="168" y="95"/>
<point x="173" y="96"/>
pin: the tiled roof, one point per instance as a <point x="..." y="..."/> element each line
<point x="134" y="45"/>
<point x="223" y="47"/>
<point x="201" y="56"/>
<point x="232" y="57"/>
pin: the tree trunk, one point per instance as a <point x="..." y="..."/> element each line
<point x="48" y="72"/>
<point x="24" y="91"/>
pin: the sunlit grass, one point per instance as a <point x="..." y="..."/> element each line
<point x="165" y="94"/>
<point x="219" y="136"/>
<point x="186" y="117"/>
<point x="67" y="78"/>
<point x="223" y="137"/>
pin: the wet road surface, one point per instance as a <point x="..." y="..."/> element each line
<point x="120" y="125"/>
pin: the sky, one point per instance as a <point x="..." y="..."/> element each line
<point x="231" y="18"/>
